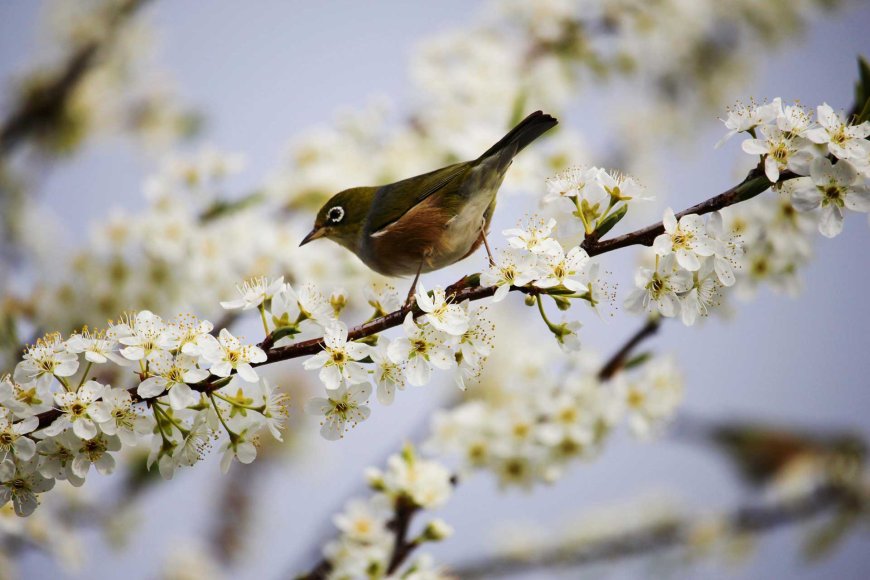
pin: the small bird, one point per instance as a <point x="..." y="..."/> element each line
<point x="430" y="221"/>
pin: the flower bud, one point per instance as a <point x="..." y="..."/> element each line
<point x="436" y="530"/>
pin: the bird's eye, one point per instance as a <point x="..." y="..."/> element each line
<point x="335" y="214"/>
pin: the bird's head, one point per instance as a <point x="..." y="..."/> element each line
<point x="342" y="217"/>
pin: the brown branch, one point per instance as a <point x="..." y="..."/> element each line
<point x="751" y="519"/>
<point x="402" y="548"/>
<point x="754" y="184"/>
<point x="469" y="288"/>
<point x="615" y="363"/>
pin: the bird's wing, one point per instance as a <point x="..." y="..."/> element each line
<point x="396" y="199"/>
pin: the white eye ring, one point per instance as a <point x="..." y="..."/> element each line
<point x="335" y="214"/>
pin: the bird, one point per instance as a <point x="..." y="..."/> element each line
<point x="430" y="221"/>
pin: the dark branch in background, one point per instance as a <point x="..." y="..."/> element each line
<point x="469" y="288"/>
<point x="41" y="108"/>
<point x="752" y="519"/>
<point x="615" y="363"/>
<point x="405" y="511"/>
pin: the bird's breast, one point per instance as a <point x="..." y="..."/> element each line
<point x="437" y="232"/>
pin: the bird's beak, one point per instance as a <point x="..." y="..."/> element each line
<point x="313" y="235"/>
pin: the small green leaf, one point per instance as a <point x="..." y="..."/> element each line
<point x="637" y="360"/>
<point x="862" y="92"/>
<point x="283" y="331"/>
<point x="610" y="221"/>
<point x="222" y="208"/>
<point x="826" y="538"/>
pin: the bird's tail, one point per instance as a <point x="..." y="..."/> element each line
<point x="524" y="133"/>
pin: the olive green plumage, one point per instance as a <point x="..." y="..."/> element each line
<point x="426" y="222"/>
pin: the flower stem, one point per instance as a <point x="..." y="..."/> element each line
<point x="232" y="434"/>
<point x="85" y="375"/>
<point x="262" y="310"/>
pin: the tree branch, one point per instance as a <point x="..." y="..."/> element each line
<point x="41" y="108"/>
<point x="615" y="363"/>
<point x="469" y="288"/>
<point x="752" y="519"/>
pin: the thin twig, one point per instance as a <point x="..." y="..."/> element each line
<point x="615" y="363"/>
<point x="750" y="519"/>
<point x="42" y="107"/>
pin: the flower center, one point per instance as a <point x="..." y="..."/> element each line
<point x="77" y="409"/>
<point x="832" y="195"/>
<point x="175" y="375"/>
<point x="5" y="439"/>
<point x="48" y="365"/>
<point x="681" y="239"/>
<point x="780" y="153"/>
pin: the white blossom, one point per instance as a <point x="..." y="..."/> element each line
<point x="121" y="418"/>
<point x="781" y="150"/>
<point x="657" y="289"/>
<point x="742" y="118"/>
<point x="844" y="141"/>
<point x="48" y="358"/>
<point x="80" y="410"/>
<point x="338" y="360"/>
<point x="343" y="405"/>
<point x="419" y="350"/>
<point x="535" y="237"/>
<point x="686" y="239"/>
<point x="254" y="293"/>
<point x="95" y="451"/>
<point x="441" y="314"/>
<point x="833" y="188"/>
<point x="174" y="374"/>
<point x="562" y="270"/>
<point x="20" y="482"/>
<point x="230" y="354"/>
<point x="140" y="335"/>
<point x="239" y="446"/>
<point x="388" y="375"/>
<point x="511" y="268"/>
<point x="14" y="437"/>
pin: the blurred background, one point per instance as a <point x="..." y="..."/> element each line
<point x="303" y="99"/>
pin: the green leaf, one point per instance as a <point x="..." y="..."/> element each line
<point x="637" y="360"/>
<point x="222" y="208"/>
<point x="611" y="221"/>
<point x="826" y="538"/>
<point x="862" y="91"/>
<point x="283" y="331"/>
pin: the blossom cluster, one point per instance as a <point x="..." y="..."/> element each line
<point x="694" y="261"/>
<point x="367" y="542"/>
<point x="531" y="435"/>
<point x="447" y="336"/>
<point x="536" y="261"/>
<point x="58" y="420"/>
<point x="830" y="152"/>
